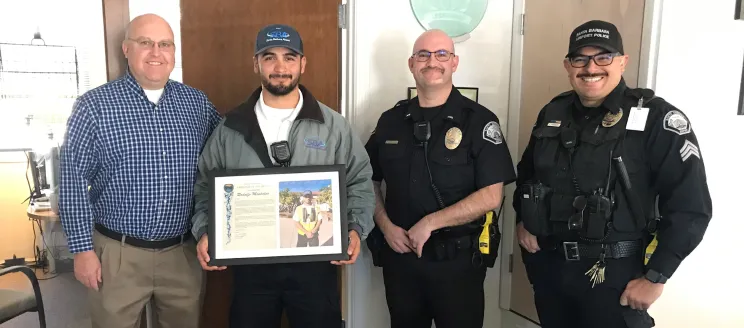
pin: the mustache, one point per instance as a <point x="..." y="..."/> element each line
<point x="441" y="70"/>
<point x="582" y="75"/>
<point x="280" y="76"/>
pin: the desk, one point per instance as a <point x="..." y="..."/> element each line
<point x="53" y="239"/>
<point x="47" y="215"/>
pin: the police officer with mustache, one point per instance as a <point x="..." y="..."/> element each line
<point x="444" y="162"/>
<point x="611" y="192"/>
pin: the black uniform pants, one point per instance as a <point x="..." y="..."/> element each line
<point x="421" y="289"/>
<point x="308" y="292"/>
<point x="564" y="296"/>
<point x="303" y="241"/>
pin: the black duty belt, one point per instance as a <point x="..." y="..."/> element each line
<point x="151" y="244"/>
<point x="575" y="251"/>
<point x="448" y="248"/>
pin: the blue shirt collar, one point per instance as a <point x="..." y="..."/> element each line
<point x="131" y="82"/>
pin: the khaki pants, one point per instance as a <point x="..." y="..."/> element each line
<point x="132" y="276"/>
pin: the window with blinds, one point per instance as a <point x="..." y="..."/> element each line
<point x="50" y="53"/>
<point x="40" y="77"/>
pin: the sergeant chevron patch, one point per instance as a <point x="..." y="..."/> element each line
<point x="689" y="149"/>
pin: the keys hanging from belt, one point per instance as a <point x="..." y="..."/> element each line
<point x="597" y="272"/>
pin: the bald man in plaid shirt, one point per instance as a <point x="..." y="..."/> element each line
<point x="128" y="166"/>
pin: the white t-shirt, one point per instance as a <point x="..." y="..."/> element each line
<point x="154" y="95"/>
<point x="275" y="123"/>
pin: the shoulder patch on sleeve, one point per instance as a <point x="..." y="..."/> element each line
<point x="492" y="133"/>
<point x="676" y="122"/>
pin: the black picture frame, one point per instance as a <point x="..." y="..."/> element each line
<point x="469" y="92"/>
<point x="339" y="213"/>
<point x="741" y="91"/>
<point x="739" y="15"/>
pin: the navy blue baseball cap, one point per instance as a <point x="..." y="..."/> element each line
<point x="278" y="35"/>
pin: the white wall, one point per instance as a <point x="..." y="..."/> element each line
<point x="699" y="71"/>
<point x="383" y="36"/>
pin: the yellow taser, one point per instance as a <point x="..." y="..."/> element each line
<point x="650" y="249"/>
<point x="484" y="241"/>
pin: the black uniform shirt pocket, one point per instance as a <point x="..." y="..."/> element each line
<point x="594" y="153"/>
<point x="392" y="150"/>
<point x="452" y="169"/>
<point x="561" y="207"/>
<point x="393" y="160"/>
<point x="547" y="147"/>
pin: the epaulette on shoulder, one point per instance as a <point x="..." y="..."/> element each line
<point x="562" y="95"/>
<point x="638" y="93"/>
<point x="403" y="102"/>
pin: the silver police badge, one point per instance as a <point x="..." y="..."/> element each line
<point x="676" y="122"/>
<point x="492" y="133"/>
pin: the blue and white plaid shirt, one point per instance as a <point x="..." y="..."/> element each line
<point x="139" y="159"/>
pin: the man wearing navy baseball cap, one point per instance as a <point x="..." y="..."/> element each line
<point x="283" y="116"/>
<point x="278" y="36"/>
<point x="611" y="192"/>
<point x="272" y="41"/>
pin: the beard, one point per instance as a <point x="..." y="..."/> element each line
<point x="278" y="89"/>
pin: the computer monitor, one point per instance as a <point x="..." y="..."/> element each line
<point x="44" y="172"/>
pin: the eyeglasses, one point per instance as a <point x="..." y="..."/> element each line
<point x="424" y="55"/>
<point x="603" y="59"/>
<point x="149" y="44"/>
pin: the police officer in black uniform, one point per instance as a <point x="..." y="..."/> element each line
<point x="609" y="169"/>
<point x="445" y="163"/>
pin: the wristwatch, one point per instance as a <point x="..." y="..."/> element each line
<point x="655" y="277"/>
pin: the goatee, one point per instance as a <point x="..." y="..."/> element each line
<point x="278" y="89"/>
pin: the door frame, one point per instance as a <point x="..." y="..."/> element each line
<point x="650" y="39"/>
<point x="347" y="47"/>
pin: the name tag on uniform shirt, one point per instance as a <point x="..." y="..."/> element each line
<point x="637" y="118"/>
<point x="391" y="142"/>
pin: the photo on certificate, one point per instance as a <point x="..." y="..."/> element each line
<point x="278" y="215"/>
<point x="305" y="209"/>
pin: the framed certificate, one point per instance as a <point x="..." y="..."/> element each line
<point x="278" y="215"/>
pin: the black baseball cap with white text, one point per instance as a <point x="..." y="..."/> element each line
<point x="598" y="34"/>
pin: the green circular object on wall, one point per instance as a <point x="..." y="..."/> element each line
<point x="454" y="17"/>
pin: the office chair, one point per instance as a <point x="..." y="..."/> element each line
<point x="14" y="302"/>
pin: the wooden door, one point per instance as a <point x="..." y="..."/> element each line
<point x="547" y="25"/>
<point x="218" y="38"/>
